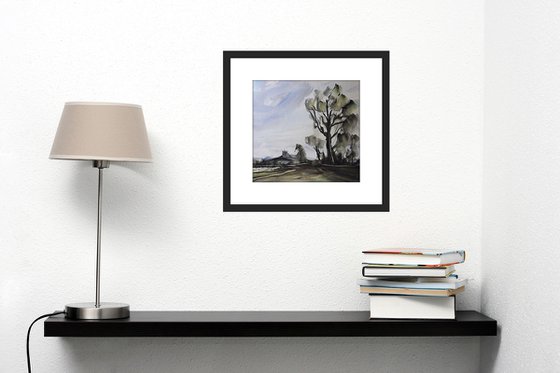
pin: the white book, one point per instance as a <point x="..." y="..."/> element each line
<point x="415" y="257"/>
<point x="411" y="307"/>
<point x="415" y="283"/>
<point x="406" y="271"/>
<point x="375" y="290"/>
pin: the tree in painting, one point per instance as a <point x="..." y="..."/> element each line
<point x="335" y="116"/>
<point x="317" y="145"/>
<point x="300" y="154"/>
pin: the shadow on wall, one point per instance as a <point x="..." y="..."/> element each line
<point x="136" y="202"/>
<point x="170" y="355"/>
<point x="489" y="348"/>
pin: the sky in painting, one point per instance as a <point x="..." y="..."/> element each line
<point x="280" y="120"/>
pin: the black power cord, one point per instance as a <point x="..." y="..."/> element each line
<point x="29" y="332"/>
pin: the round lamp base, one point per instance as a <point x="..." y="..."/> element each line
<point x="88" y="311"/>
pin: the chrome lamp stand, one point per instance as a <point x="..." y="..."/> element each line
<point x="97" y="310"/>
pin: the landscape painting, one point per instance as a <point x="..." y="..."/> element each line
<point x="306" y="130"/>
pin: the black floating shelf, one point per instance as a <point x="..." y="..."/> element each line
<point x="268" y="324"/>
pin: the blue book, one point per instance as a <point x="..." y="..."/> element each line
<point x="451" y="282"/>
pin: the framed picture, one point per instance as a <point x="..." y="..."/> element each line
<point x="306" y="131"/>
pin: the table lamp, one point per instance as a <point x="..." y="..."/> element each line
<point x="101" y="133"/>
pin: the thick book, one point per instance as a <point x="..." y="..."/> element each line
<point x="406" y="271"/>
<point x="411" y="291"/>
<point x="426" y="257"/>
<point x="452" y="282"/>
<point x="411" y="307"/>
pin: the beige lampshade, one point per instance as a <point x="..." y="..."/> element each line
<point x="101" y="131"/>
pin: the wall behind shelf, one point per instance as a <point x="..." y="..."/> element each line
<point x="521" y="181"/>
<point x="167" y="243"/>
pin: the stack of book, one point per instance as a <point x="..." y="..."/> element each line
<point x="412" y="283"/>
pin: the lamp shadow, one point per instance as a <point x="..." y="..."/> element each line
<point x="135" y="202"/>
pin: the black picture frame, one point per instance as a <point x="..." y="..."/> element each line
<point x="227" y="58"/>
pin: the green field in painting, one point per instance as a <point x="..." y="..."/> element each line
<point x="305" y="173"/>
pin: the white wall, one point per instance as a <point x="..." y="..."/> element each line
<point x="521" y="240"/>
<point x="165" y="233"/>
